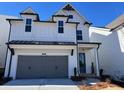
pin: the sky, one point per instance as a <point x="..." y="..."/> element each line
<point x="100" y="14"/>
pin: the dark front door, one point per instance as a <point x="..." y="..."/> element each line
<point x="33" y="67"/>
<point x="82" y="62"/>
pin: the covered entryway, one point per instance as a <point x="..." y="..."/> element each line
<point x="34" y="67"/>
<point x="88" y="58"/>
<point x="38" y="60"/>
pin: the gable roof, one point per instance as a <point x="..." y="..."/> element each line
<point x="116" y="23"/>
<point x="69" y="7"/>
<point x="29" y="10"/>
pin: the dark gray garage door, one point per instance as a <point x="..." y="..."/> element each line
<point x="30" y="67"/>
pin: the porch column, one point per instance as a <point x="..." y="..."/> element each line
<point x="97" y="63"/>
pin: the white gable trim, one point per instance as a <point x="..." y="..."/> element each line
<point x="29" y="10"/>
<point x="75" y="10"/>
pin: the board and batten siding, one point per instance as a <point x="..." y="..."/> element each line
<point x="78" y="18"/>
<point x="43" y="32"/>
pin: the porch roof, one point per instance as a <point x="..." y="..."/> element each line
<point x="98" y="43"/>
<point x="22" y="42"/>
<point x="88" y="45"/>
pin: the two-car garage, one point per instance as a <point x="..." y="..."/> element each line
<point x="41" y="61"/>
<point x="32" y="67"/>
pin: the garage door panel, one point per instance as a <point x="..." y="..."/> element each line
<point x="62" y="66"/>
<point x="42" y="67"/>
<point x="29" y="67"/>
<point x="56" y="67"/>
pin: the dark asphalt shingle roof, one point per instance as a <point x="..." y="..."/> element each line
<point x="40" y="42"/>
<point x="89" y="43"/>
<point x="22" y="42"/>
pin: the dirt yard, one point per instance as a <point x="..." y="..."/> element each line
<point x="101" y="86"/>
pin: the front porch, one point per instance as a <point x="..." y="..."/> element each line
<point x="88" y="61"/>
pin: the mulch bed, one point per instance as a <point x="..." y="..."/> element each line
<point x="4" y="80"/>
<point x="120" y="83"/>
<point x="98" y="86"/>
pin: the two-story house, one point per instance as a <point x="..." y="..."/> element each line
<point x="50" y="49"/>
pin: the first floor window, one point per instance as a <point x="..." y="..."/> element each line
<point x="79" y="35"/>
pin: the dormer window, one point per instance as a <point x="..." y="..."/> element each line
<point x="28" y="25"/>
<point x="71" y="16"/>
<point x="60" y="27"/>
<point x="79" y="35"/>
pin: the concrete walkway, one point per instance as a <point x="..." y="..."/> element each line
<point x="41" y="84"/>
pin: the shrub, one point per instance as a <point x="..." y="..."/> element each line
<point x="75" y="72"/>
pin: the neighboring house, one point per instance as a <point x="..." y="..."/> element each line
<point x="4" y="33"/>
<point x="112" y="50"/>
<point x="50" y="49"/>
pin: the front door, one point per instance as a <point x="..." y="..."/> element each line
<point x="82" y="62"/>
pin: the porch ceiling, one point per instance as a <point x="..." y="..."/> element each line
<point x="41" y="46"/>
<point x="85" y="48"/>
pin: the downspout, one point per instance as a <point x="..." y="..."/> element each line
<point x="78" y="69"/>
<point x="12" y="53"/>
<point x="98" y="55"/>
<point x="7" y="46"/>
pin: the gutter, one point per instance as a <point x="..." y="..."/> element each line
<point x="116" y="27"/>
<point x="88" y="23"/>
<point x="58" y="16"/>
<point x="78" y="67"/>
<point x="14" y="20"/>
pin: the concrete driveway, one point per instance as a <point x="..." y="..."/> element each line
<point x="41" y="84"/>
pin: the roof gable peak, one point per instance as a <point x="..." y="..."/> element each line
<point x="29" y="10"/>
<point x="68" y="7"/>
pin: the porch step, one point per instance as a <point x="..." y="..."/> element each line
<point x="88" y="75"/>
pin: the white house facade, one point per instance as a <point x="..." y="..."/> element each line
<point x="50" y="49"/>
<point x="4" y="33"/>
<point x="112" y="50"/>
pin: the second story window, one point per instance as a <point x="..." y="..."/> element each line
<point x="60" y="27"/>
<point x="79" y="35"/>
<point x="71" y="16"/>
<point x="28" y="25"/>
